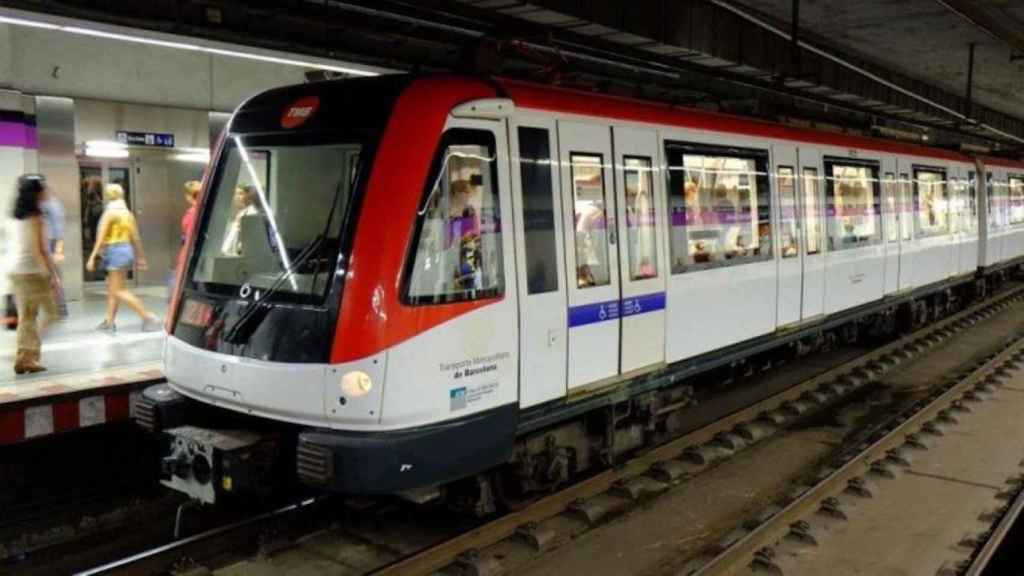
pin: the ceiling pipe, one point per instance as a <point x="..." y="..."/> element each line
<point x="855" y="68"/>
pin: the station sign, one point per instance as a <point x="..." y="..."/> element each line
<point x="145" y="139"/>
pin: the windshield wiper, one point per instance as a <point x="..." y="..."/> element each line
<point x="256" y="311"/>
<point x="252" y="316"/>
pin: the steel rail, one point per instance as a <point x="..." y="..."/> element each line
<point x="985" y="555"/>
<point x="182" y="545"/>
<point x="437" y="557"/>
<point x="741" y="553"/>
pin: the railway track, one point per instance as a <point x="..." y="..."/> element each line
<point x="985" y="555"/>
<point x="888" y="449"/>
<point x="688" y="455"/>
<point x="594" y="500"/>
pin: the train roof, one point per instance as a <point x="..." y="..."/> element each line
<point x="376" y="95"/>
<point x="574" y="101"/>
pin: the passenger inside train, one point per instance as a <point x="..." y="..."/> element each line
<point x="245" y="206"/>
<point x="457" y="255"/>
<point x="641" y="218"/>
<point x="590" y="218"/>
<point x="724" y="209"/>
<point x="261" y="231"/>
<point x="855" y="206"/>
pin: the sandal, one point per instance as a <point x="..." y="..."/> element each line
<point x="106" y="326"/>
<point x="151" y="324"/>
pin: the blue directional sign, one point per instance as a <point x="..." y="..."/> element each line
<point x="146" y="139"/>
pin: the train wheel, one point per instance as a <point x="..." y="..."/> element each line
<point x="509" y="490"/>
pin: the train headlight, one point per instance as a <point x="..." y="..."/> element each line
<point x="356" y="383"/>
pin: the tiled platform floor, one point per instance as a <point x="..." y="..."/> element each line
<point x="75" y="346"/>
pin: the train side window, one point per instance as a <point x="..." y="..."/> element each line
<point x="538" y="210"/>
<point x="591" y="220"/>
<point x="641" y="219"/>
<point x="891" y="233"/>
<point x="990" y="195"/>
<point x="720" y="206"/>
<point x="906" y="209"/>
<point x="853" y="203"/>
<point x="1003" y="203"/>
<point x="954" y="205"/>
<point x="1016" y="203"/>
<point x="931" y="202"/>
<point x="812" y="210"/>
<point x="972" y="204"/>
<point x="457" y="252"/>
<point x="974" y="191"/>
<point x="789" y="225"/>
<point x="964" y="211"/>
<point x="996" y="204"/>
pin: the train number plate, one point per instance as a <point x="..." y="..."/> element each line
<point x="196" y="313"/>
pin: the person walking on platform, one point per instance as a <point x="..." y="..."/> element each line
<point x="188" y="221"/>
<point x="53" y="214"/>
<point x="33" y="273"/>
<point x="119" y="244"/>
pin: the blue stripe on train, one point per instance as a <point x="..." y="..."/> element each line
<point x="613" y="309"/>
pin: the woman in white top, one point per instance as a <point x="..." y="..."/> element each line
<point x="33" y="273"/>
<point x="245" y="205"/>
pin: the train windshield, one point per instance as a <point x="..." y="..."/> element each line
<point x="275" y="218"/>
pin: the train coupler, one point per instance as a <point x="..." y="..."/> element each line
<point x="207" y="465"/>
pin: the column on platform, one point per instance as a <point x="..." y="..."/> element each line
<point x="18" y="155"/>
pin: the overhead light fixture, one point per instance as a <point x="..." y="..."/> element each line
<point x="899" y="134"/>
<point x="976" y="148"/>
<point x="105" y="149"/>
<point x="105" y="153"/>
<point x="287" y="61"/>
<point x="262" y="57"/>
<point x="128" y="38"/>
<point x="201" y="157"/>
<point x="29" y="23"/>
<point x="106" y="144"/>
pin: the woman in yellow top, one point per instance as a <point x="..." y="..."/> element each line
<point x="118" y="241"/>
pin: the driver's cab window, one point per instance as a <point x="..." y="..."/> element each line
<point x="276" y="216"/>
<point x="457" y="252"/>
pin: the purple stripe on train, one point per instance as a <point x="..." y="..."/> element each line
<point x="852" y="211"/>
<point x="18" y="135"/>
<point x="699" y="217"/>
<point x="614" y="309"/>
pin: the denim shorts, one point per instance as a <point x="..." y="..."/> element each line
<point x="118" y="256"/>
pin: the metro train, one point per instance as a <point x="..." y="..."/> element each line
<point x="405" y="284"/>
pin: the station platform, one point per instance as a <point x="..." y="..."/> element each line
<point x="91" y="376"/>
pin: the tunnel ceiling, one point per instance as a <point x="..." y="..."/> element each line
<point x="925" y="39"/>
<point x="910" y="56"/>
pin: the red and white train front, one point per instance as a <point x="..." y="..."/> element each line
<point x="343" y="227"/>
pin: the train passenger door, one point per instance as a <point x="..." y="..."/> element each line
<point x="890" y="229"/>
<point x="640" y="212"/>
<point x="906" y="219"/>
<point x="790" y="257"/>
<point x="541" y="248"/>
<point x="812" y="206"/>
<point x="592" y="261"/>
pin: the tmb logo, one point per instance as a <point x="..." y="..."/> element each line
<point x="299" y="112"/>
